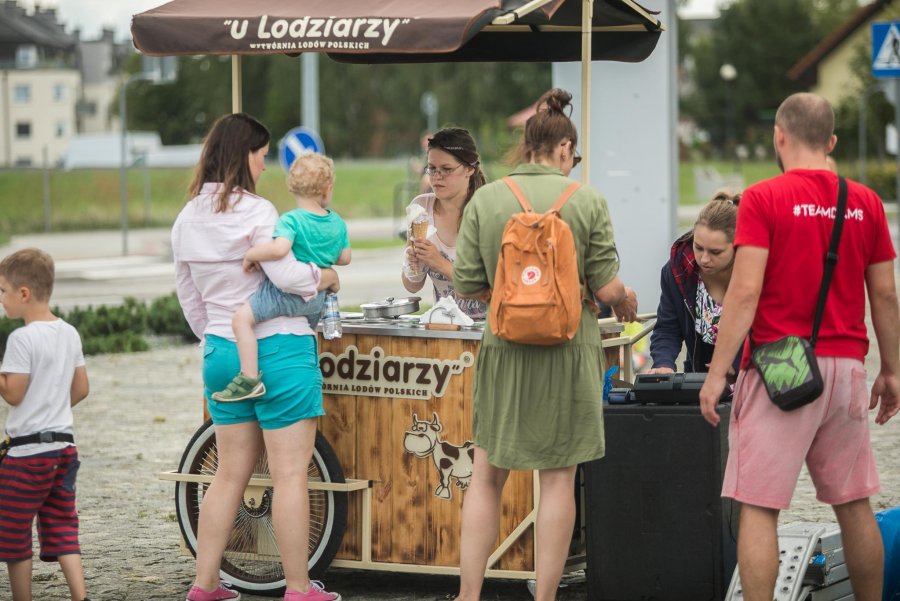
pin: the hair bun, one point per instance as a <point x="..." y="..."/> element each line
<point x="556" y="100"/>
<point x="729" y="196"/>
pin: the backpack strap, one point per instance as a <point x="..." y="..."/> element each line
<point x="517" y="192"/>
<point x="526" y="205"/>
<point x="567" y="193"/>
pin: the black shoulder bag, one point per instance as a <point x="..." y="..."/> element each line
<point x="788" y="366"/>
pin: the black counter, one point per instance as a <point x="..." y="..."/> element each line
<point x="657" y="527"/>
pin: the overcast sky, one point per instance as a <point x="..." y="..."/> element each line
<point x="92" y="15"/>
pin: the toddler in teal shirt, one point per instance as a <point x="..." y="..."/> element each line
<point x="315" y="234"/>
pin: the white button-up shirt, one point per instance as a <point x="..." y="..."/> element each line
<point x="209" y="249"/>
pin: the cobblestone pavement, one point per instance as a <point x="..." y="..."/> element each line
<point x="142" y="411"/>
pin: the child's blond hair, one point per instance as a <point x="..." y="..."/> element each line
<point x="30" y="268"/>
<point x="311" y="175"/>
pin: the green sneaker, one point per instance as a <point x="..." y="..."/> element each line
<point x="241" y="389"/>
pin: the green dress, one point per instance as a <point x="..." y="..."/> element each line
<point x="537" y="407"/>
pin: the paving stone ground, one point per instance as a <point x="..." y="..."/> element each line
<point x="142" y="411"/>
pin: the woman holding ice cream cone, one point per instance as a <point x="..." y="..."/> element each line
<point x="454" y="170"/>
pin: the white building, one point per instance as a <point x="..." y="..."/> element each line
<point x="53" y="85"/>
<point x="100" y="61"/>
<point x="39" y="87"/>
<point x="38" y="108"/>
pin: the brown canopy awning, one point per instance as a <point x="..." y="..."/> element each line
<point x="403" y="31"/>
<point x="398" y="31"/>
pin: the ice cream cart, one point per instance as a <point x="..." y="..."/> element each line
<point x="392" y="460"/>
<point x="393" y="455"/>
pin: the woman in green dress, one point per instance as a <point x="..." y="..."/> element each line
<point x="536" y="407"/>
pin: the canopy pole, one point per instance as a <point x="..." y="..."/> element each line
<point x="525" y="9"/>
<point x="587" y="13"/>
<point x="237" y="87"/>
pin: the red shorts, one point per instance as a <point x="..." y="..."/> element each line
<point x="768" y="446"/>
<point x="41" y="486"/>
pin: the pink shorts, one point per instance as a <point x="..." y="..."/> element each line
<point x="767" y="446"/>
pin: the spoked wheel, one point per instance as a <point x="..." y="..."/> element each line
<point x="251" y="562"/>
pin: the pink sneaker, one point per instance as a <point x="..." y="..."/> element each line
<point x="316" y="592"/>
<point x="221" y="593"/>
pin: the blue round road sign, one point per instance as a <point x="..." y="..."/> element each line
<point x="294" y="142"/>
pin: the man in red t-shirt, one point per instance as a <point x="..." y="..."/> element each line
<point x="783" y="230"/>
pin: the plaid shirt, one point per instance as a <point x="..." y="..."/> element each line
<point x="684" y="266"/>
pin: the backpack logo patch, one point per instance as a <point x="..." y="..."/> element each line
<point x="531" y="275"/>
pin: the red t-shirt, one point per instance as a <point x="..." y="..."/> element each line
<point x="792" y="215"/>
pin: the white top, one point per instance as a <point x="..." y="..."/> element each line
<point x="49" y="351"/>
<point x="443" y="286"/>
<point x="209" y="249"/>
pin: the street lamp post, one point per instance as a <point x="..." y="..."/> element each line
<point x="155" y="69"/>
<point x="123" y="165"/>
<point x="862" y="135"/>
<point x="728" y="74"/>
<point x="428" y="102"/>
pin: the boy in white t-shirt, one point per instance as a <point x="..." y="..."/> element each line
<point x="42" y="377"/>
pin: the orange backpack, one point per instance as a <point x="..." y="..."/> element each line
<point x="536" y="297"/>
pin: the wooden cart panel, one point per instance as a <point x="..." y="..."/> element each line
<point x="415" y="518"/>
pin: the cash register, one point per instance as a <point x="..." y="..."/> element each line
<point x="664" y="389"/>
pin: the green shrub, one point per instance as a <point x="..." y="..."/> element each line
<point x="166" y="318"/>
<point x="130" y="317"/>
<point x="7" y="325"/>
<point x="883" y="179"/>
<point x="121" y="342"/>
<point x="118" y="329"/>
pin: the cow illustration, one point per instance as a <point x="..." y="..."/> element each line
<point x="451" y="461"/>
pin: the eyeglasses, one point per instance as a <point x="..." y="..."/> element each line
<point x="576" y="159"/>
<point x="442" y="171"/>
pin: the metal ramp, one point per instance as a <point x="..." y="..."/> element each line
<point x="811" y="565"/>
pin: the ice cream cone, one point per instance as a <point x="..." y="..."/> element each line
<point x="419" y="230"/>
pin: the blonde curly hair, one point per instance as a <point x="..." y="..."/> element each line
<point x="311" y="175"/>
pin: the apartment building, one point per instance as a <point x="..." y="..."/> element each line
<point x="39" y="86"/>
<point x="53" y="85"/>
<point x="100" y="61"/>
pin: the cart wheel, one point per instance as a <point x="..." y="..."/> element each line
<point x="251" y="562"/>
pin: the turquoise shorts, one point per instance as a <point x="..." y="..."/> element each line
<point x="290" y="366"/>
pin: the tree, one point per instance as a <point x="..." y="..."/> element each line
<point x="181" y="111"/>
<point x="366" y="110"/>
<point x="750" y="36"/>
<point x="869" y="96"/>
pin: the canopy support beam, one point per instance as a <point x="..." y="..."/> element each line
<point x="520" y="12"/>
<point x="237" y="87"/>
<point x="587" y="13"/>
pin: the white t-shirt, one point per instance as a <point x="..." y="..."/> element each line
<point x="49" y="351"/>
<point x="443" y="286"/>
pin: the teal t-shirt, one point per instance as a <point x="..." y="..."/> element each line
<point x="314" y="238"/>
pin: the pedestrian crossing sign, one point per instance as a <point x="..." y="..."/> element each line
<point x="886" y="49"/>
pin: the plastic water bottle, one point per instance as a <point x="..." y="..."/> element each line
<point x="331" y="317"/>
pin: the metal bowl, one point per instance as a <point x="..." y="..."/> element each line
<point x="390" y="307"/>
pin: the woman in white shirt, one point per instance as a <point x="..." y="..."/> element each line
<point x="209" y="239"/>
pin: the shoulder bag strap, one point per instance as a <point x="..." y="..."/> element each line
<point x="567" y="193"/>
<point x="517" y="191"/>
<point x="831" y="257"/>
